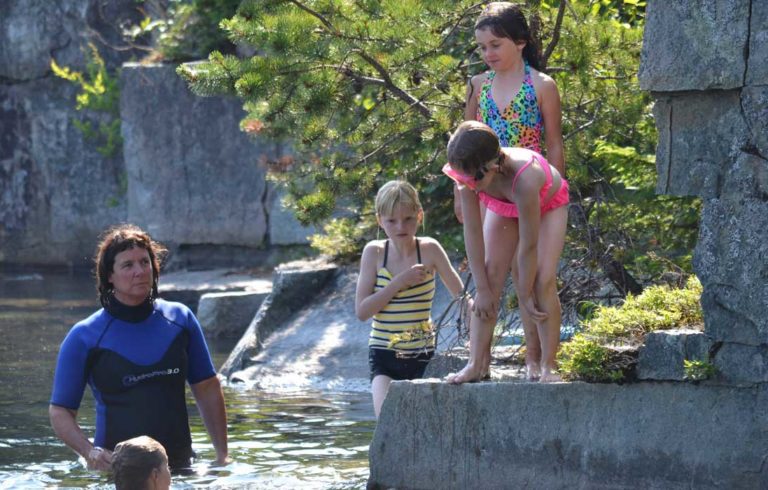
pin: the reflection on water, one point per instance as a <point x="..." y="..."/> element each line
<point x="309" y="440"/>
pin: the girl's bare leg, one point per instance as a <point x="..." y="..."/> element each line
<point x="500" y="236"/>
<point x="531" y="331"/>
<point x="550" y="248"/>
<point x="379" y="389"/>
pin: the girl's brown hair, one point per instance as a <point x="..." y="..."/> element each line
<point x="471" y="146"/>
<point x="134" y="460"/>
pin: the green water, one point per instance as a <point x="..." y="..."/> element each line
<point x="315" y="440"/>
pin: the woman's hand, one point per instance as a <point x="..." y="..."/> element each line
<point x="409" y="277"/>
<point x="99" y="459"/>
<point x="486" y="304"/>
<point x="530" y="307"/>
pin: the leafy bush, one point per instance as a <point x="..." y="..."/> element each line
<point x="698" y="370"/>
<point x="592" y="354"/>
<point x="99" y="93"/>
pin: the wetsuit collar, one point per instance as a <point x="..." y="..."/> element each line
<point x="131" y="314"/>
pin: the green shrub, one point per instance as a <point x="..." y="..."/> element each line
<point x="698" y="370"/>
<point x="591" y="356"/>
<point x="342" y="237"/>
<point x="192" y="30"/>
<point x="99" y="93"/>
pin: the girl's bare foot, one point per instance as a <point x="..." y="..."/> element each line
<point x="550" y="377"/>
<point x="467" y="375"/>
<point x="532" y="372"/>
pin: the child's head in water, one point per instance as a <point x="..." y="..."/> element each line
<point x="140" y="464"/>
<point x="473" y="148"/>
<point x="506" y="20"/>
<point x="398" y="209"/>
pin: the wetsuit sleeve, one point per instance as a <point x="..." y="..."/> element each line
<point x="200" y="363"/>
<point x="70" y="378"/>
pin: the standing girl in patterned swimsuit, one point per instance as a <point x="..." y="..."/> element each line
<point x="396" y="286"/>
<point x="520" y="104"/>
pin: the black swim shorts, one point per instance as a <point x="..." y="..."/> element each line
<point x="386" y="362"/>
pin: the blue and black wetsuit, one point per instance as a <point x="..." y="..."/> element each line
<point x="136" y="361"/>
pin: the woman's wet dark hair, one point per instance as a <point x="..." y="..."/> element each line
<point x="118" y="239"/>
<point x="133" y="461"/>
<point x="471" y="146"/>
<point x="506" y="19"/>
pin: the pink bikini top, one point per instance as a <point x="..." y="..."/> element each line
<point x="503" y="207"/>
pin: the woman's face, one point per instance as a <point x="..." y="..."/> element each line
<point x="131" y="276"/>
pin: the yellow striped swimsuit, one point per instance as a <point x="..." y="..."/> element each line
<point x="404" y="324"/>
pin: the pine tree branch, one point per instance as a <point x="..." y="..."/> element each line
<point x="555" y="33"/>
<point x="317" y="15"/>
<point x="390" y="85"/>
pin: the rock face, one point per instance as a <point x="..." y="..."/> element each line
<point x="695" y="45"/>
<point x="714" y="144"/>
<point x="56" y="191"/>
<point x="180" y="155"/>
<point x="228" y="314"/>
<point x="664" y="353"/>
<point x="571" y="435"/>
<point x="293" y="288"/>
<point x="189" y="176"/>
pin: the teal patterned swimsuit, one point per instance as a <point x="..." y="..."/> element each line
<point x="521" y="123"/>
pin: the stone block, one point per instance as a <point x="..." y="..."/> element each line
<point x="284" y="228"/>
<point x="443" y="364"/>
<point x="757" y="70"/>
<point x="698" y="136"/>
<point x="570" y="435"/>
<point x="228" y="314"/>
<point x="754" y="101"/>
<point x="663" y="354"/>
<point x="694" y="45"/>
<point x="193" y="176"/>
<point x="57" y="193"/>
<point x="34" y="31"/>
<point x="295" y="286"/>
<point x="731" y="260"/>
<point x="189" y="287"/>
<point x="740" y="364"/>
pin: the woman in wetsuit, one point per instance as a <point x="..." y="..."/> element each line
<point x="136" y="354"/>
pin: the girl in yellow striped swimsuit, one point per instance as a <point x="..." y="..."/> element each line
<point x="396" y="286"/>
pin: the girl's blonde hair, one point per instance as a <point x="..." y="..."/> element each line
<point x="397" y="192"/>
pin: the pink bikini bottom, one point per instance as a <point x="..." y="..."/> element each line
<point x="509" y="209"/>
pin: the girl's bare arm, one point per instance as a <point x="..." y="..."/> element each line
<point x="552" y="117"/>
<point x="447" y="273"/>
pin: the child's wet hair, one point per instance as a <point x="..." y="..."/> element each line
<point x="471" y="146"/>
<point x="507" y="19"/>
<point x="133" y="461"/>
<point x="396" y="192"/>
